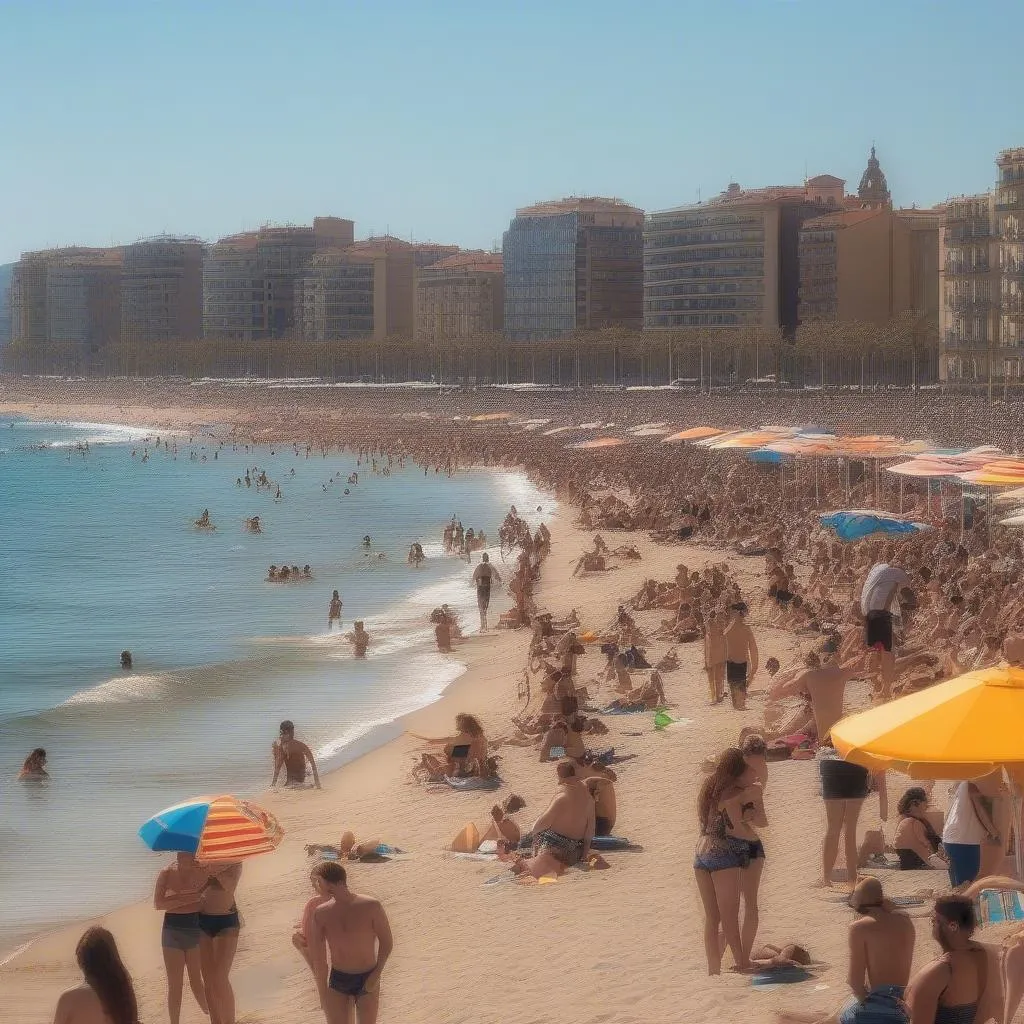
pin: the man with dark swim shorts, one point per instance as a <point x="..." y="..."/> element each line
<point x="844" y="786"/>
<point x="740" y="656"/>
<point x="483" y="575"/>
<point x="876" y="600"/>
<point x="349" y="944"/>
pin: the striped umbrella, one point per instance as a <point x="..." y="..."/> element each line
<point x="214" y="828"/>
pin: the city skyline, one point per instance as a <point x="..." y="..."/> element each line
<point x="438" y="123"/>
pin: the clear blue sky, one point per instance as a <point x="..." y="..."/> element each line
<point x="436" y="118"/>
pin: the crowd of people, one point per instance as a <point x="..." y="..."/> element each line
<point x="898" y="614"/>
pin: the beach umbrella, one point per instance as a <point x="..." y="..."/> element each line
<point x="1017" y="520"/>
<point x="1009" y="497"/>
<point x="599" y="442"/>
<point x="765" y="456"/>
<point x="854" y="524"/>
<point x="214" y="828"/>
<point x="746" y="440"/>
<point x="962" y="728"/>
<point x="696" y="434"/>
<point x="489" y="417"/>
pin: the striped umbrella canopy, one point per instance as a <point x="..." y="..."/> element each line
<point x="599" y="442"/>
<point x="488" y="417"/>
<point x="561" y="430"/>
<point x="804" y="446"/>
<point x="214" y="828"/>
<point x="926" y="468"/>
<point x="1014" y="520"/>
<point x="746" y="440"/>
<point x="1010" y="497"/>
<point x="696" y="434"/>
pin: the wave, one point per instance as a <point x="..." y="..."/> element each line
<point x="100" y="433"/>
<point x="439" y="673"/>
<point x="122" y="689"/>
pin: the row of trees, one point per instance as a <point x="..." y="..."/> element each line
<point x="903" y="352"/>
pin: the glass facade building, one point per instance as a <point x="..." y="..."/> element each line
<point x="573" y="264"/>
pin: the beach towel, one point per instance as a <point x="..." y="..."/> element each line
<point x="998" y="907"/>
<point x="637" y="709"/>
<point x="474" y="782"/>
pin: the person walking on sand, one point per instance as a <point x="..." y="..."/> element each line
<point x="179" y="893"/>
<point x="107" y="995"/>
<point x="714" y="658"/>
<point x="349" y="944"/>
<point x="740" y="656"/>
<point x="334" y="611"/>
<point x="219" y="925"/>
<point x="292" y="755"/>
<point x="483" y="576"/>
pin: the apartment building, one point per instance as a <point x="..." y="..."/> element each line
<point x="462" y="296"/>
<point x="162" y="291"/>
<point x="573" y="264"/>
<point x="733" y="261"/>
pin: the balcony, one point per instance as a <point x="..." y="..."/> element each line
<point x="969" y="304"/>
<point x="957" y="268"/>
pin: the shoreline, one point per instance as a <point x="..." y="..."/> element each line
<point x="622" y="945"/>
<point x="333" y="754"/>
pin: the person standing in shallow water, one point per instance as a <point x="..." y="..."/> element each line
<point x="483" y="575"/>
<point x="334" y="611"/>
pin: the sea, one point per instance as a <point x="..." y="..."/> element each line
<point x="100" y="554"/>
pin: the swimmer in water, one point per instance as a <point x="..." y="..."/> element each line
<point x="34" y="766"/>
<point x="359" y="639"/>
<point x="126" y="660"/>
<point x="203" y="522"/>
<point x="292" y="755"/>
<point x="334" y="611"/>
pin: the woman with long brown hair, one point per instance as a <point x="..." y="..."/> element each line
<point x="107" y="994"/>
<point x="722" y="853"/>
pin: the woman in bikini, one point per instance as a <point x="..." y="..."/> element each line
<point x="464" y="754"/>
<point x="219" y="924"/>
<point x="179" y="894"/>
<point x="723" y="852"/>
<point x="107" y="993"/>
<point x="916" y="842"/>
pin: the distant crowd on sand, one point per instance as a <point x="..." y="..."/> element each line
<point x="897" y="614"/>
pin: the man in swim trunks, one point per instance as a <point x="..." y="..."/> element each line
<point x="740" y="656"/>
<point x="877" y="597"/>
<point x="844" y="786"/>
<point x="567" y="827"/>
<point x="359" y="639"/>
<point x="483" y="575"/>
<point x="292" y="755"/>
<point x="354" y="931"/>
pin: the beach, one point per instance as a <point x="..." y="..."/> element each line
<point x="619" y="946"/>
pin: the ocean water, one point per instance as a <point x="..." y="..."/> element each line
<point x="99" y="554"/>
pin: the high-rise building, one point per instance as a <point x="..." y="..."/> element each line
<point x="5" y="303"/>
<point x="573" y="264"/>
<point x="68" y="297"/>
<point x="732" y="261"/>
<point x="982" y="279"/>
<point x="249" y="280"/>
<point x="1009" y="207"/>
<point x="364" y="289"/>
<point x="867" y="262"/>
<point x="461" y="296"/>
<point x="162" y="291"/>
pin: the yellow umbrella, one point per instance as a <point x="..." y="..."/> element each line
<point x="960" y="729"/>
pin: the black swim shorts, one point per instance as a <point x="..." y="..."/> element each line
<point x="841" y="780"/>
<point x="353" y="985"/>
<point x="736" y="675"/>
<point x="878" y="630"/>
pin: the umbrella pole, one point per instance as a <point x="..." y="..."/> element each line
<point x="816" y="483"/>
<point x="1015" y="807"/>
<point x="901" y="495"/>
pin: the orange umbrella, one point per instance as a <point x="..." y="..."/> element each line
<point x="696" y="434"/>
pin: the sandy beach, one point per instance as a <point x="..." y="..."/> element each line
<point x="602" y="947"/>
